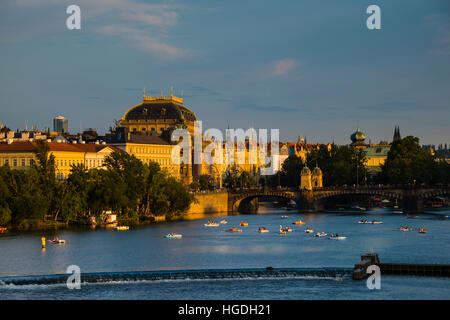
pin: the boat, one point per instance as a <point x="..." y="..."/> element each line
<point x="298" y="222"/>
<point x="422" y="230"/>
<point x="57" y="241"/>
<point x="288" y="229"/>
<point x="282" y="232"/>
<point x="223" y="222"/>
<point x="284" y="208"/>
<point x="336" y="237"/>
<point x="320" y="234"/>
<point x="262" y="230"/>
<point x="404" y="228"/>
<point x="284" y="217"/>
<point x="234" y="229"/>
<point x="243" y="224"/>
<point x="211" y="224"/>
<point x="121" y="228"/>
<point x="2" y="230"/>
<point x="173" y="235"/>
<point x="308" y="230"/>
<point x="364" y="221"/>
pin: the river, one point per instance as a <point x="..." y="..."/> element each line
<point x="144" y="249"/>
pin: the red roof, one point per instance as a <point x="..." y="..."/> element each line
<point x="28" y="146"/>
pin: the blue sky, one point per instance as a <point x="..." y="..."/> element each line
<point x="306" y="67"/>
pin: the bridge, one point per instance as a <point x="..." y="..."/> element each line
<point x="411" y="198"/>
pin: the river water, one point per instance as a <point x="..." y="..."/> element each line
<point x="313" y="261"/>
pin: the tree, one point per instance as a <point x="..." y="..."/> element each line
<point x="407" y="163"/>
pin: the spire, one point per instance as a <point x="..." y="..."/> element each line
<point x="397" y="135"/>
<point x="181" y="93"/>
<point x="144" y="92"/>
<point x="171" y="91"/>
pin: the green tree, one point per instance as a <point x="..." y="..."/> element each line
<point x="407" y="163"/>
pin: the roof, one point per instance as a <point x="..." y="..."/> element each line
<point x="28" y="146"/>
<point x="159" y="109"/>
<point x="377" y="151"/>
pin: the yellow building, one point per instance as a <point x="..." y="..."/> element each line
<point x="20" y="155"/>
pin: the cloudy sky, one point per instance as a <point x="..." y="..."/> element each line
<point x="307" y="67"/>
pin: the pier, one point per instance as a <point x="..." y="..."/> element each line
<point x="402" y="269"/>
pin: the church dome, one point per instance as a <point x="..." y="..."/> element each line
<point x="317" y="171"/>
<point x="358" y="137"/>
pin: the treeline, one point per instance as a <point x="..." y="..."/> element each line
<point x="126" y="186"/>
<point x="407" y="163"/>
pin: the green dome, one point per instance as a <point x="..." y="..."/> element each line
<point x="358" y="137"/>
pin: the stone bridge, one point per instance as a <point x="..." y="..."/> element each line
<point x="409" y="197"/>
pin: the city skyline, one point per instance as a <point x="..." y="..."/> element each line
<point x="319" y="74"/>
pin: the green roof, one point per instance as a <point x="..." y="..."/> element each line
<point x="377" y="152"/>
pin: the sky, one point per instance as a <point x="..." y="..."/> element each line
<point x="309" y="68"/>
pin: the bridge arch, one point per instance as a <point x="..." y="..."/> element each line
<point x="243" y="202"/>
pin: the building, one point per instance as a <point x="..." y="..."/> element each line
<point x="20" y="155"/>
<point x="61" y="124"/>
<point x="152" y="123"/>
<point x="147" y="146"/>
<point x="311" y="180"/>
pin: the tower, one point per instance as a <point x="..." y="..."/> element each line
<point x="396" y="134"/>
<point x="316" y="178"/>
<point x="305" y="178"/>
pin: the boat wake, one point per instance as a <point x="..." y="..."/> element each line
<point x="29" y="282"/>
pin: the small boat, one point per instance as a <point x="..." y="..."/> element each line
<point x="308" y="230"/>
<point x="211" y="224"/>
<point x="284" y="217"/>
<point x="243" y="224"/>
<point x="404" y="228"/>
<point x="422" y="230"/>
<point x="121" y="228"/>
<point x="364" y="221"/>
<point x="336" y="237"/>
<point x="57" y="241"/>
<point x="234" y="229"/>
<point x="173" y="235"/>
<point x="223" y="222"/>
<point x="320" y="234"/>
<point x="288" y="229"/>
<point x="262" y="230"/>
<point x="298" y="222"/>
<point x="282" y="231"/>
<point x="2" y="230"/>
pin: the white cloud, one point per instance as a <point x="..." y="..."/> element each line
<point x="281" y="67"/>
<point x="142" y="23"/>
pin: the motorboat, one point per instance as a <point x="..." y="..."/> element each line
<point x="234" y="229"/>
<point x="122" y="228"/>
<point x="262" y="230"/>
<point x="284" y="217"/>
<point x="308" y="230"/>
<point x="223" y="222"/>
<point x="422" y="230"/>
<point x="282" y="231"/>
<point x="404" y="228"/>
<point x="298" y="222"/>
<point x="173" y="235"/>
<point x="211" y="224"/>
<point x="57" y="241"/>
<point x="243" y="224"/>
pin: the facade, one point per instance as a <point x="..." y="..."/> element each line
<point x="20" y="155"/>
<point x="61" y="124"/>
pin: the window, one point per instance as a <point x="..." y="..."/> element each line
<point x="6" y="161"/>
<point x="65" y="163"/>
<point x="14" y="162"/>
<point x="23" y="162"/>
